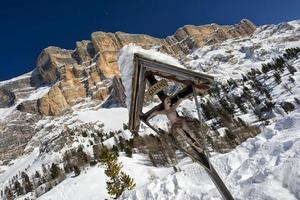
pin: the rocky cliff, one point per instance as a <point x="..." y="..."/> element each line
<point x="80" y="72"/>
<point x="64" y="78"/>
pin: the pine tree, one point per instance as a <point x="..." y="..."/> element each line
<point x="291" y="79"/>
<point x="27" y="185"/>
<point x="265" y="68"/>
<point x="297" y="101"/>
<point x="128" y="151"/>
<point x="242" y="122"/>
<point x="54" y="171"/>
<point x="245" y="79"/>
<point x="277" y="78"/>
<point x="118" y="181"/>
<point x="82" y="157"/>
<point x="115" y="150"/>
<point x="18" y="188"/>
<point x="76" y="170"/>
<point x="9" y="194"/>
<point x="37" y="174"/>
<point x="291" y="69"/>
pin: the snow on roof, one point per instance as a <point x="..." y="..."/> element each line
<point x="126" y="64"/>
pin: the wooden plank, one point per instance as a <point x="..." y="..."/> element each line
<point x="135" y="80"/>
<point x="182" y="94"/>
<point x="181" y="73"/>
<point x="152" y="80"/>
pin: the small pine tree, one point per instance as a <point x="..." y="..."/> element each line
<point x="230" y="137"/>
<point x="115" y="150"/>
<point x="9" y="194"/>
<point x="128" y="152"/>
<point x="287" y="107"/>
<point x="76" y="170"/>
<point x="37" y="174"/>
<point x="118" y="181"/>
<point x="18" y="188"/>
<point x="265" y="68"/>
<point x="277" y="78"/>
<point x="291" y="79"/>
<point x="291" y="69"/>
<point x="245" y="79"/>
<point x="27" y="185"/>
<point x="297" y="101"/>
<point x="54" y="171"/>
<point x="82" y="157"/>
<point x="242" y="122"/>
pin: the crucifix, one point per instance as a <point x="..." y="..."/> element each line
<point x="183" y="131"/>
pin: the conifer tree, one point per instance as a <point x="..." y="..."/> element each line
<point x="76" y="170"/>
<point x="245" y="79"/>
<point x="54" y="171"/>
<point x="118" y="181"/>
<point x="115" y="150"/>
<point x="27" y="185"/>
<point x="277" y="78"/>
<point x="291" y="69"/>
<point x="9" y="194"/>
<point x="37" y="174"/>
<point x="297" y="101"/>
<point x="291" y="79"/>
<point x="265" y="68"/>
<point x="18" y="188"/>
<point x="128" y="151"/>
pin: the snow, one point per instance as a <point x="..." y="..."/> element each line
<point x="112" y="118"/>
<point x="228" y="59"/>
<point x="24" y="76"/>
<point x="4" y="112"/>
<point x="264" y="167"/>
<point x="39" y="92"/>
<point x="19" y="165"/>
<point x="89" y="184"/>
<point x="126" y="64"/>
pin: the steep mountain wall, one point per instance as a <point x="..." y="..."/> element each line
<point x="64" y="78"/>
<point x="80" y="71"/>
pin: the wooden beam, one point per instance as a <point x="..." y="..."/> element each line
<point x="182" y="94"/>
<point x="180" y="73"/>
<point x="152" y="80"/>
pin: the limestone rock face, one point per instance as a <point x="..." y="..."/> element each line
<point x="7" y="98"/>
<point x="84" y="51"/>
<point x="51" y="61"/>
<point x="80" y="73"/>
<point x="53" y="103"/>
<point x="28" y="106"/>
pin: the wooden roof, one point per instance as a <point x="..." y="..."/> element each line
<point x="145" y="69"/>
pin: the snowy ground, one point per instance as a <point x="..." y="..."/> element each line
<point x="264" y="167"/>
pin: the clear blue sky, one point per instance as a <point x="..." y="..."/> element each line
<point x="28" y="26"/>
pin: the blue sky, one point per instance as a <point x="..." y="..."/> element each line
<point x="28" y="26"/>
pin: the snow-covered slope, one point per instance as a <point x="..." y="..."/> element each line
<point x="232" y="57"/>
<point x="263" y="167"/>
